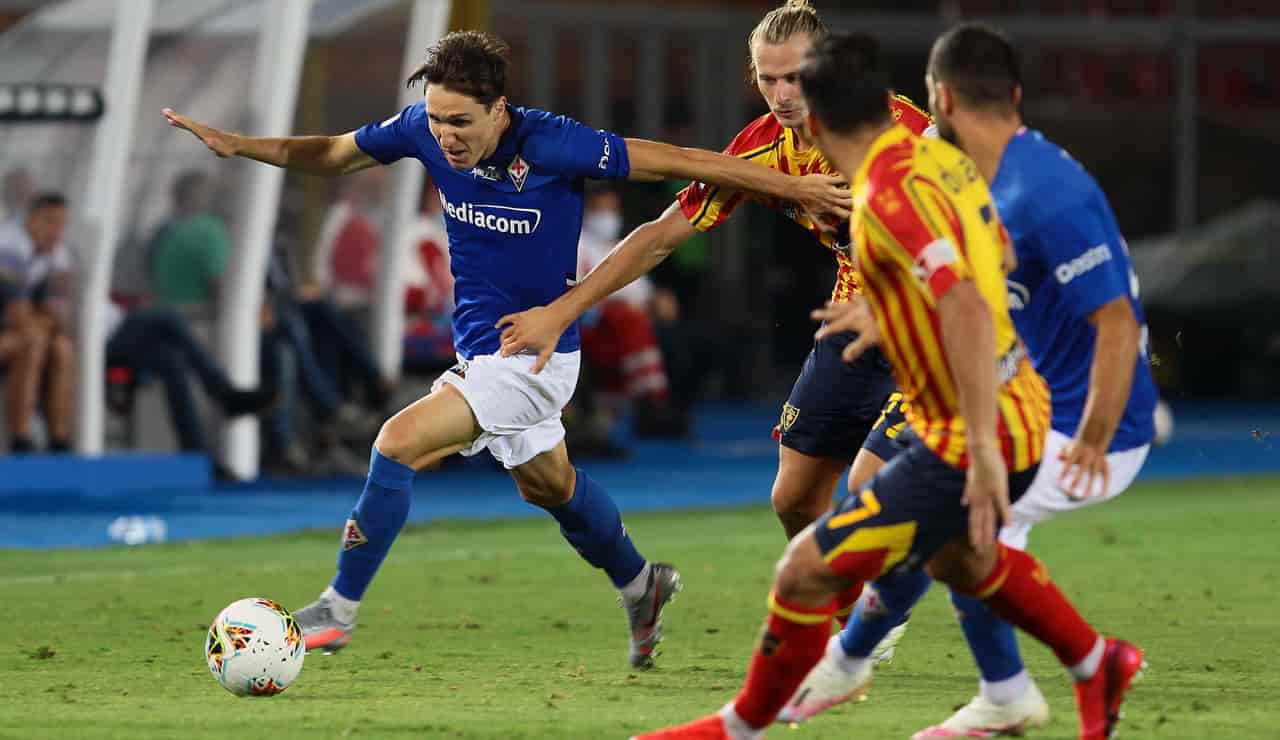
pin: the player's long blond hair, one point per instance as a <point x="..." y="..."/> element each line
<point x="780" y="24"/>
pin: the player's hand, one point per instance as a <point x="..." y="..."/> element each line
<point x="825" y="199"/>
<point x="854" y="316"/>
<point x="986" y="493"/>
<point x="537" y="331"/>
<point x="1084" y="463"/>
<point x="219" y="142"/>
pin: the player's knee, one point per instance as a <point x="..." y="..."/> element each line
<point x="396" y="440"/>
<point x="802" y="576"/>
<point x="793" y="504"/>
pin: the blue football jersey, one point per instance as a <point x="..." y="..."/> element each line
<point x="1072" y="260"/>
<point x="514" y="219"/>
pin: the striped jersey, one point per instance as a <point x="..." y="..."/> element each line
<point x="923" y="221"/>
<point x="773" y="145"/>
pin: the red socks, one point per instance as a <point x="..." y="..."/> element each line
<point x="794" y="639"/>
<point x="1020" y="591"/>
<point x="845" y="601"/>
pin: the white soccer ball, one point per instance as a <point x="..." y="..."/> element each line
<point x="254" y="648"/>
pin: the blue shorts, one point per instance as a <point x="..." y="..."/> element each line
<point x="902" y="516"/>
<point x="835" y="406"/>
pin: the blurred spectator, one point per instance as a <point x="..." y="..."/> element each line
<point x="188" y="254"/>
<point x="158" y="343"/>
<point x="38" y="266"/>
<point x="15" y="192"/>
<point x="428" y="337"/>
<point x="310" y="345"/>
<point x="345" y="259"/>
<point x="149" y="343"/>
<point x="618" y="340"/>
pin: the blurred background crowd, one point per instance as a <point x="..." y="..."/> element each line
<point x="1170" y="105"/>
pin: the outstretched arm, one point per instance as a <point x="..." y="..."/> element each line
<point x="653" y="160"/>
<point x="539" y="329"/>
<point x="328" y="156"/>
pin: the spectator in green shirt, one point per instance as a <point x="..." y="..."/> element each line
<point x="189" y="253"/>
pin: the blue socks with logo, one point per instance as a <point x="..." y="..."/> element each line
<point x="591" y="523"/>
<point x="379" y="516"/>
<point x="874" y="616"/>
<point x="991" y="640"/>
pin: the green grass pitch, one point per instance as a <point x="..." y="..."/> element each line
<point x="498" y="630"/>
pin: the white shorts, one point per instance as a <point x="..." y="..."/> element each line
<point x="518" y="412"/>
<point x="1045" y="498"/>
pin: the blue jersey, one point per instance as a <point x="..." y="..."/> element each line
<point x="514" y="219"/>
<point x="1072" y="260"/>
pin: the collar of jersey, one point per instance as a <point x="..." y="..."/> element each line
<point x="998" y="181"/>
<point x="790" y="145"/>
<point x="509" y="144"/>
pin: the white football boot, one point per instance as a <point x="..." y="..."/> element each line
<point x="981" y="718"/>
<point x="827" y="685"/>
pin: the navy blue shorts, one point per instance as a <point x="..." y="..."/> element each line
<point x="834" y="405"/>
<point x="902" y="516"/>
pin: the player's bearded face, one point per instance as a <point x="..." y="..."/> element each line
<point x="778" y="78"/>
<point x="466" y="130"/>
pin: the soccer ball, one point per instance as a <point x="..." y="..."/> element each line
<point x="254" y="648"/>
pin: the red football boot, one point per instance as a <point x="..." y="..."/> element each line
<point x="1098" y="699"/>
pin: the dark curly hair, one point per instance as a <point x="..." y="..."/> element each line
<point x="472" y="63"/>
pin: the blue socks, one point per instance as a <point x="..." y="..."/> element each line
<point x="873" y="618"/>
<point x="377" y="519"/>
<point x="591" y="523"/>
<point x="991" y="640"/>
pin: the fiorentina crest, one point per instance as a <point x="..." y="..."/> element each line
<point x="352" y="537"/>
<point x="518" y="171"/>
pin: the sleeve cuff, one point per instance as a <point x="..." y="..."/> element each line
<point x="942" y="280"/>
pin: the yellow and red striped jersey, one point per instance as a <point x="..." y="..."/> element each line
<point x="771" y="144"/>
<point x="923" y="220"/>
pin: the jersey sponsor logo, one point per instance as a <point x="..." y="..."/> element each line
<point x="1010" y="361"/>
<point x="519" y="172"/>
<point x="1019" y="296"/>
<point x="501" y="219"/>
<point x="489" y="173"/>
<point x="604" y="158"/>
<point x="1068" y="271"/>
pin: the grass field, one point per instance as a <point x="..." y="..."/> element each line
<point x="498" y="630"/>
